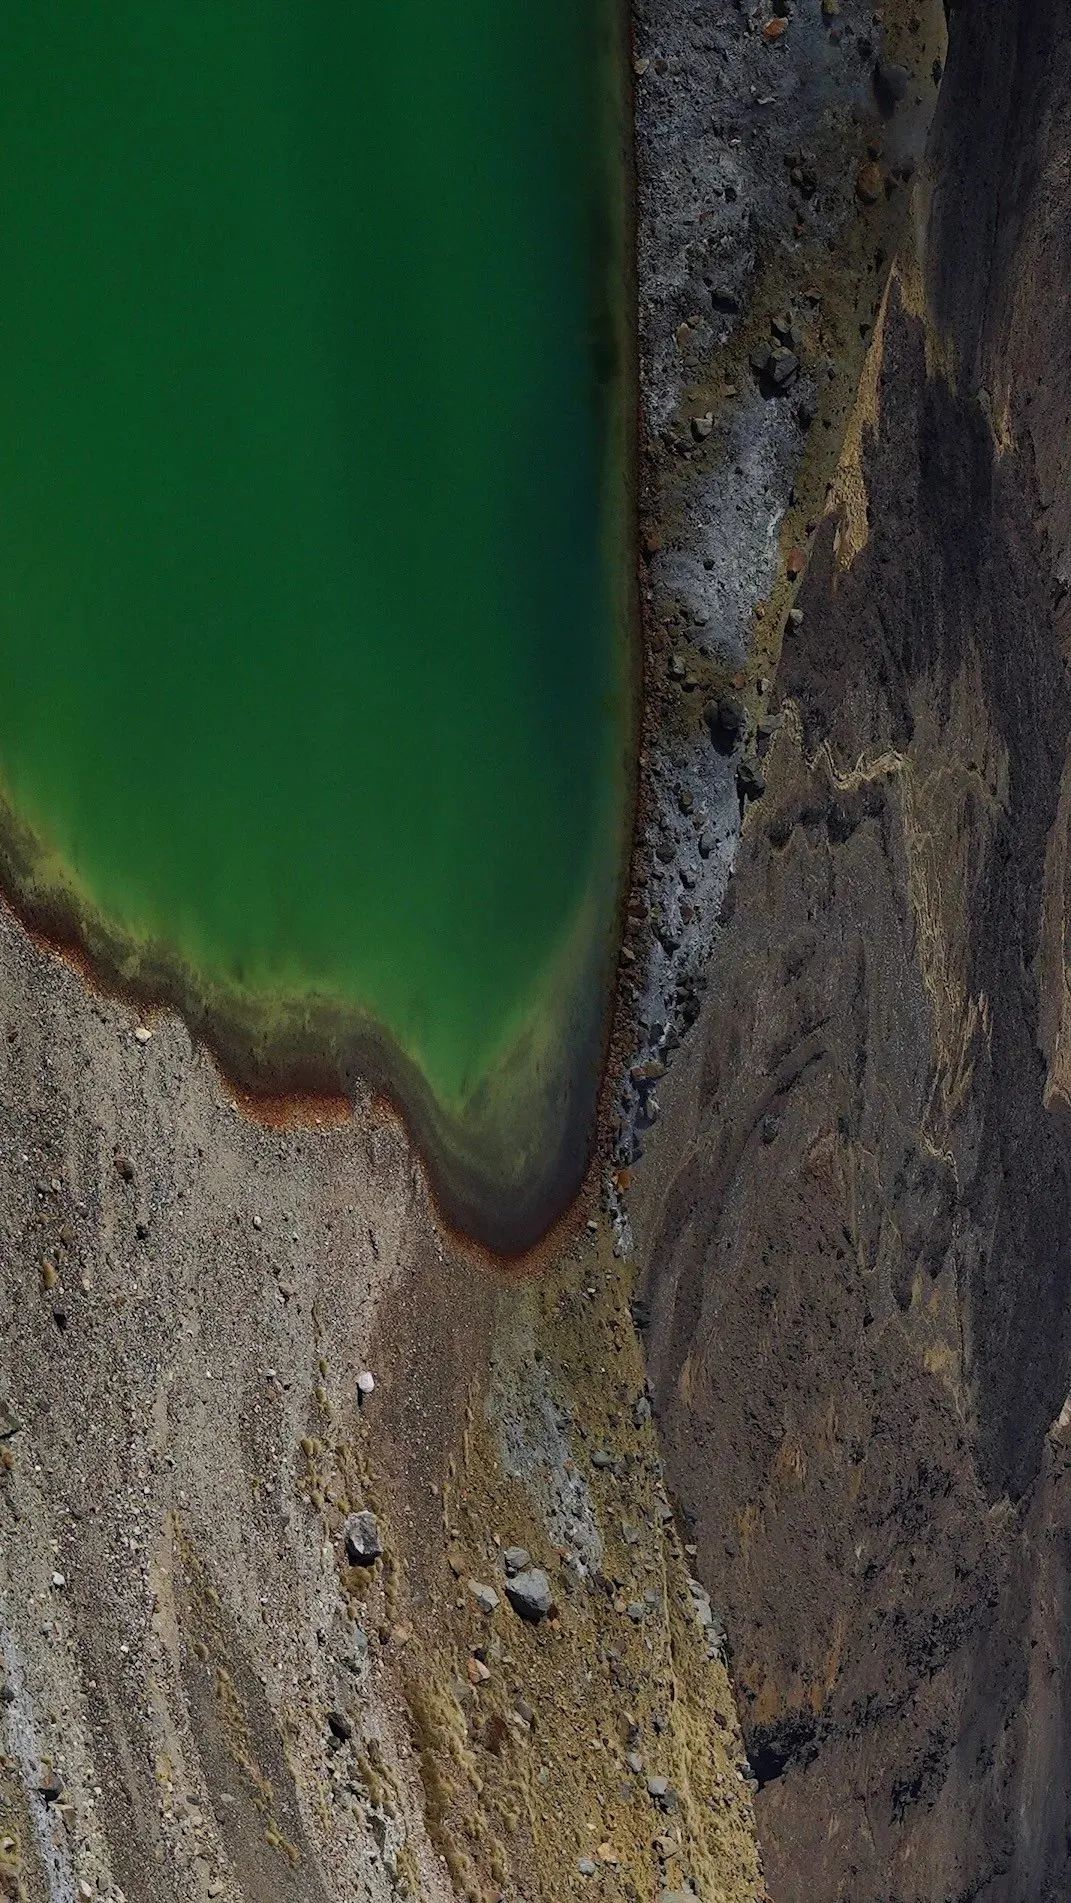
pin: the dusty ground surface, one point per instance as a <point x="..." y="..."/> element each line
<point x="201" y="1696"/>
<point x="855" y="1217"/>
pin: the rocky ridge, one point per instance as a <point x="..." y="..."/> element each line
<point x="853" y="1219"/>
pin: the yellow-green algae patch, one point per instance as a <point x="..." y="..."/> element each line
<point x="315" y="682"/>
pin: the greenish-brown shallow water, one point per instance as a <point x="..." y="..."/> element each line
<point x="315" y="683"/>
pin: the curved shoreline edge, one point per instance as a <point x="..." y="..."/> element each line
<point x="506" y="1170"/>
<point x="501" y="1172"/>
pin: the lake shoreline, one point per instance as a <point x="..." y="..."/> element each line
<point x="501" y="1177"/>
<point x="508" y="1169"/>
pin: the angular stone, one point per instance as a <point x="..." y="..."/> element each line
<point x="529" y="1594"/>
<point x="362" y="1541"/>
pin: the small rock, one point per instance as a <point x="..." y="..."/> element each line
<point x="662" y="1794"/>
<point x="726" y="722"/>
<point x="782" y="368"/>
<point x="529" y="1594"/>
<point x="890" y="83"/>
<point x="339" y="1726"/>
<point x="476" y="1671"/>
<point x="515" y="1559"/>
<point x="485" y="1596"/>
<point x="750" y="780"/>
<point x="50" y="1788"/>
<point x="366" y="1386"/>
<point x="702" y="426"/>
<point x="869" y="182"/>
<point x="361" y="1536"/>
<point x="142" y="1033"/>
<point x="586" y="1867"/>
<point x="635" y="1763"/>
<point x="770" y="1126"/>
<point x="124" y="1166"/>
<point x="648" y="1073"/>
<point x="724" y="300"/>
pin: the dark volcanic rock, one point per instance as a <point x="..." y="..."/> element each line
<point x="890" y="82"/>
<point x="860" y="1335"/>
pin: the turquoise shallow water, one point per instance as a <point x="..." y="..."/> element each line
<point x="311" y="654"/>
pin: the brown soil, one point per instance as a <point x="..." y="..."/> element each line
<point x="199" y="1697"/>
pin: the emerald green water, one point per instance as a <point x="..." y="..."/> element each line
<point x="311" y="661"/>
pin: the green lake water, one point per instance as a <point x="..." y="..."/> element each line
<point x="312" y="665"/>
